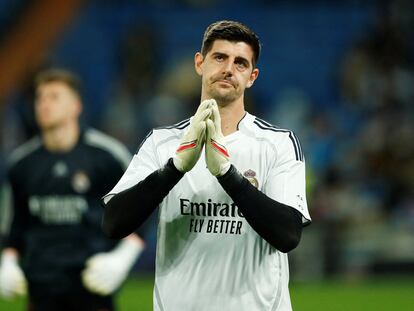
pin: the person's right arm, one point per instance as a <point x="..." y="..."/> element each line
<point x="128" y="205"/>
<point x="12" y="280"/>
<point x="128" y="209"/>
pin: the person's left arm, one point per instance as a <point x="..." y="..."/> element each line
<point x="280" y="224"/>
<point x="105" y="271"/>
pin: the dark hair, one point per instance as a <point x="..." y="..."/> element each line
<point x="231" y="31"/>
<point x="59" y="75"/>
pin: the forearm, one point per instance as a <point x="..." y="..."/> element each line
<point x="14" y="239"/>
<point x="277" y="223"/>
<point x="135" y="239"/>
<point x="128" y="209"/>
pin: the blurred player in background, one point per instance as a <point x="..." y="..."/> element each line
<point x="231" y="191"/>
<point x="56" y="249"/>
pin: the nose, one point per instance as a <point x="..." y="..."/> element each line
<point x="228" y="68"/>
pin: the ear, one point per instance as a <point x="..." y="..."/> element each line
<point x="198" y="61"/>
<point x="78" y="107"/>
<point x="253" y="77"/>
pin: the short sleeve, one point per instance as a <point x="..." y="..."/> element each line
<point x="286" y="182"/>
<point x="142" y="164"/>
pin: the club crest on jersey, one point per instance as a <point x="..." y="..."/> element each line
<point x="81" y="182"/>
<point x="251" y="176"/>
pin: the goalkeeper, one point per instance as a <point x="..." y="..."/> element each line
<point x="56" y="251"/>
<point x="230" y="187"/>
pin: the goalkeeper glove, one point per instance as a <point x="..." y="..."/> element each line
<point x="12" y="280"/>
<point x="189" y="150"/>
<point x="217" y="156"/>
<point x="105" y="272"/>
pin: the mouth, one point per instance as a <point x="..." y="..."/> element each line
<point x="225" y="82"/>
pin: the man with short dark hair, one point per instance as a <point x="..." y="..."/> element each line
<point x="55" y="249"/>
<point x="231" y="191"/>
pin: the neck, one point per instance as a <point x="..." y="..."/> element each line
<point x="231" y="114"/>
<point x="61" y="138"/>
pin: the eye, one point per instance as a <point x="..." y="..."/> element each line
<point x="219" y="58"/>
<point x="241" y="64"/>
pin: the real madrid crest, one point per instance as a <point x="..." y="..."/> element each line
<point x="251" y="176"/>
<point x="81" y="182"/>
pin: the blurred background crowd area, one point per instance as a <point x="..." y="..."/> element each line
<point x="338" y="73"/>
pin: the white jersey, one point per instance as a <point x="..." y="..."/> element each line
<point x="208" y="256"/>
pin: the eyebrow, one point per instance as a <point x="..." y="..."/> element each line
<point x="218" y="54"/>
<point x="243" y="60"/>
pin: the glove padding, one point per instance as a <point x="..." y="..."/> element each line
<point x="105" y="272"/>
<point x="189" y="150"/>
<point x="217" y="156"/>
<point x="12" y="280"/>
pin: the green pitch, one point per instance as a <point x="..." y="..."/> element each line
<point x="375" y="295"/>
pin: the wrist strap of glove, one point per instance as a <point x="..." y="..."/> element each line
<point x="172" y="170"/>
<point x="231" y="179"/>
<point x="129" y="250"/>
<point x="9" y="258"/>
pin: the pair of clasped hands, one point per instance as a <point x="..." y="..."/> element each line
<point x="205" y="130"/>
